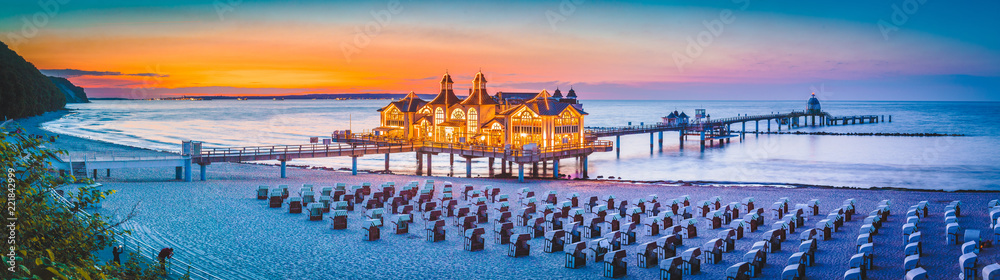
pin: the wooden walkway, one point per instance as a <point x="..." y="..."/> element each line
<point x="711" y="131"/>
<point x="708" y="125"/>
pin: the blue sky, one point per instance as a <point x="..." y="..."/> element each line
<point x="758" y="50"/>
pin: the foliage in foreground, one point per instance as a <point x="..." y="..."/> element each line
<point x="53" y="240"/>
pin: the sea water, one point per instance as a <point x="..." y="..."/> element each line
<point x="950" y="163"/>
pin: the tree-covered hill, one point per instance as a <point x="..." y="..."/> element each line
<point x="24" y="91"/>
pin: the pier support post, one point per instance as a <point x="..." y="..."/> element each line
<point x="534" y="169"/>
<point x="769" y="126"/>
<point x="179" y="172"/>
<point x="520" y="173"/>
<point x="468" y="167"/>
<point x="420" y="164"/>
<point x="585" y="164"/>
<point x="555" y="169"/>
<point x="545" y="167"/>
<point x="429" y="156"/>
<point x="109" y="172"/>
<point x="95" y="174"/>
<point x="661" y="140"/>
<point x="890" y="118"/>
<point x="283" y="166"/>
<point x="702" y="140"/>
<point x="490" y="163"/>
<point x="618" y="146"/>
<point x="386" y="161"/>
<point x="680" y="137"/>
<point x="743" y="133"/>
<point x="651" y="143"/>
<point x="451" y="157"/>
<point x="503" y="166"/>
<point x="187" y="169"/>
<point x="204" y="169"/>
<point x="354" y="165"/>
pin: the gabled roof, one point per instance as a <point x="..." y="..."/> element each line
<point x="410" y="103"/>
<point x="497" y="119"/>
<point x="673" y="115"/>
<point x="545" y="106"/>
<point x="683" y="115"/>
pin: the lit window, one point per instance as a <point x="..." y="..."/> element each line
<point x="438" y="116"/>
<point x="473" y="120"/>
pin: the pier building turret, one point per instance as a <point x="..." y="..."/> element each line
<point x="813" y="106"/>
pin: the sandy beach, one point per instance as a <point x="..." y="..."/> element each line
<point x="219" y="226"/>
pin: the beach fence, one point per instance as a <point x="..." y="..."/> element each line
<point x="177" y="266"/>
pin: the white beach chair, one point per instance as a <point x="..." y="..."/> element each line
<point x="672" y="268"/>
<point x="951" y="231"/>
<point x="692" y="264"/>
<point x="968" y="263"/>
<point x="793" y="272"/>
<point x="757" y="259"/>
<point x="996" y="234"/>
<point x="916" y="274"/>
<point x="991" y="272"/>
<point x="911" y="262"/>
<point x="852" y="274"/>
<point x="912" y="249"/>
<point x="738" y="271"/>
<point x="970" y="247"/>
<point x="713" y="250"/>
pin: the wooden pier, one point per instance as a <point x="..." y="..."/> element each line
<point x="708" y="131"/>
<point x="359" y="146"/>
<point x="711" y="130"/>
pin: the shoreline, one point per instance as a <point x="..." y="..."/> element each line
<point x="208" y="222"/>
<point x="33" y="125"/>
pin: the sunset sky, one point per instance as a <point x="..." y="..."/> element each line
<point x="699" y="50"/>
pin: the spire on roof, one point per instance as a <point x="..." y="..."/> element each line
<point x="543" y="95"/>
<point x="446" y="79"/>
<point x="557" y="94"/>
<point x="572" y="93"/>
<point x="447" y="94"/>
<point x="478" y="94"/>
<point x="479" y="81"/>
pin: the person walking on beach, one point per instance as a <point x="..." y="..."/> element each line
<point x="165" y="254"/>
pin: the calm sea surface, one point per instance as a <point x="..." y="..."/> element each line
<point x="969" y="162"/>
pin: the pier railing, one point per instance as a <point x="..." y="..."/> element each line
<point x="362" y="145"/>
<point x="694" y="125"/>
<point x="298" y="151"/>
